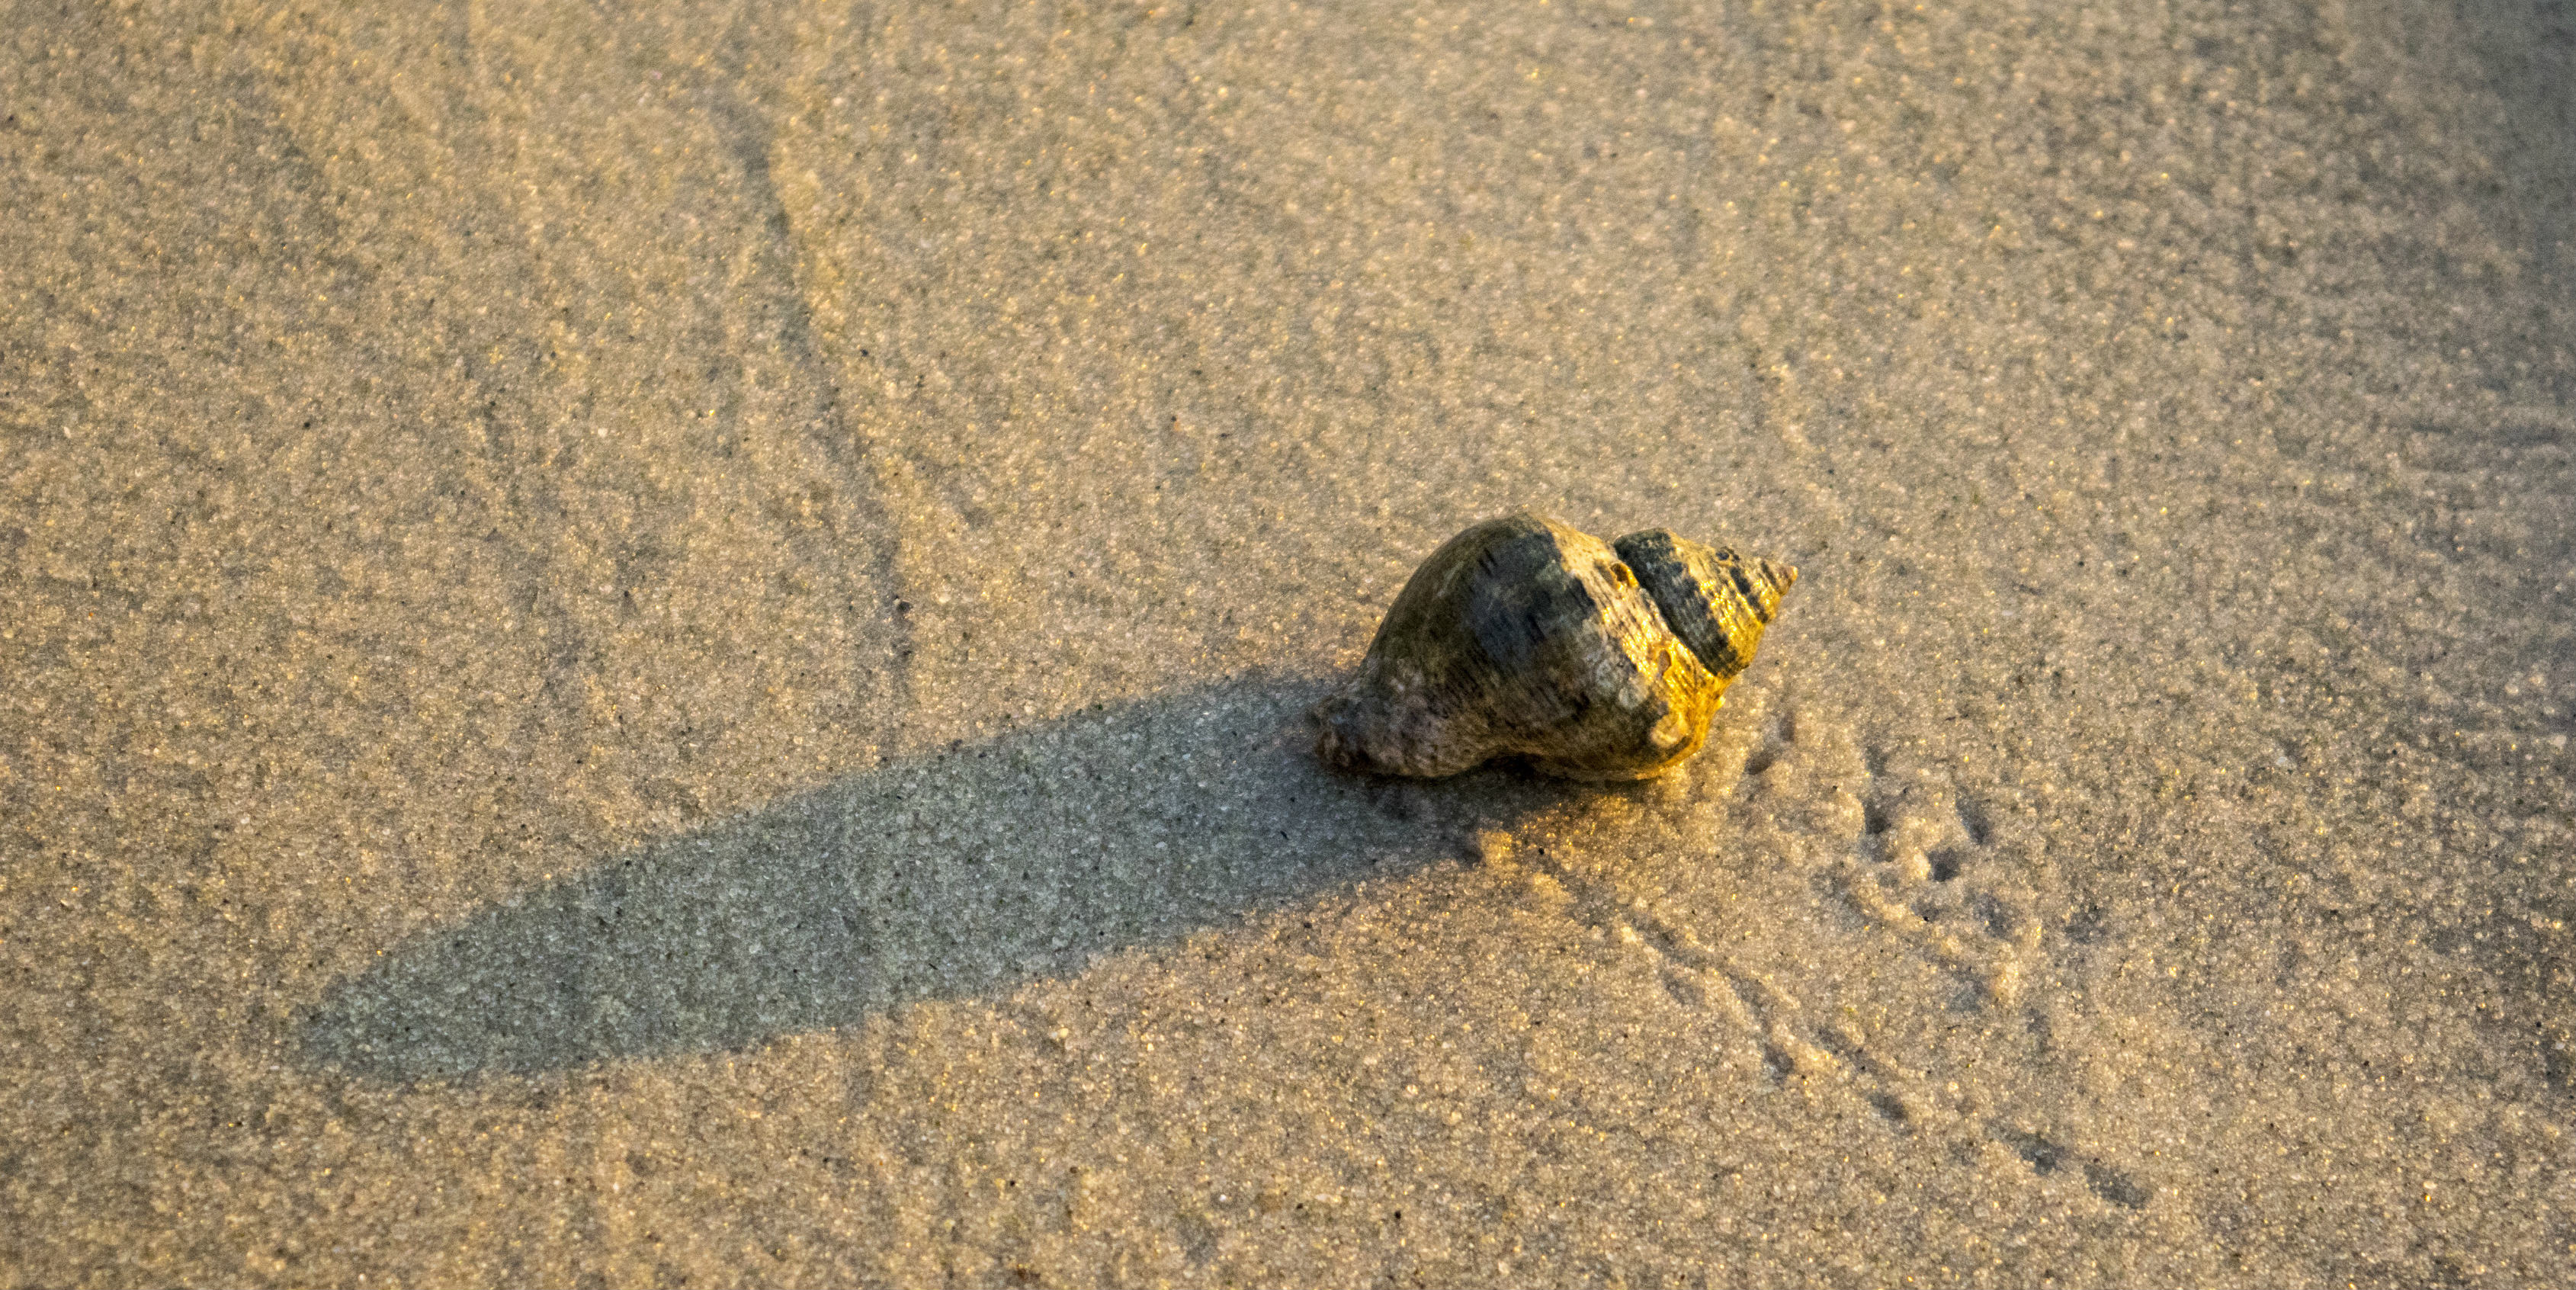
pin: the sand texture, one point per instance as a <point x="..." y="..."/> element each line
<point x="666" y="644"/>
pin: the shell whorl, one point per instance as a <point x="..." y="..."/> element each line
<point x="1523" y="637"/>
<point x="1717" y="601"/>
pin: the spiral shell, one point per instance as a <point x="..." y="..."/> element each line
<point x="1522" y="637"/>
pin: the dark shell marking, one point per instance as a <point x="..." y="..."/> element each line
<point x="1718" y="602"/>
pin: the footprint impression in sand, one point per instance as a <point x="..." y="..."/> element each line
<point x="1917" y="859"/>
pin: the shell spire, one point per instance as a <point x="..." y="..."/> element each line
<point x="1522" y="637"/>
<point x="1717" y="601"/>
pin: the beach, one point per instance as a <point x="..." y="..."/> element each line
<point x="669" y="645"/>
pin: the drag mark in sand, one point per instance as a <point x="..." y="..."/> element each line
<point x="1699" y="977"/>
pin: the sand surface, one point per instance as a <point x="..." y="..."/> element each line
<point x="665" y="644"/>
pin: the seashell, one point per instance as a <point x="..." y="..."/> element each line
<point x="1521" y="637"/>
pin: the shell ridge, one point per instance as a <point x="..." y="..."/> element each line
<point x="1743" y="580"/>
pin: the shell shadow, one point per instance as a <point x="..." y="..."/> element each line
<point x="954" y="875"/>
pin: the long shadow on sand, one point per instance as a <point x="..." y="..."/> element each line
<point x="952" y="875"/>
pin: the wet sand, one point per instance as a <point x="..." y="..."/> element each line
<point x="668" y="647"/>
